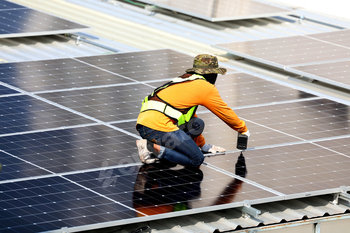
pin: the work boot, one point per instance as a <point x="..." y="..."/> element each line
<point x="145" y="155"/>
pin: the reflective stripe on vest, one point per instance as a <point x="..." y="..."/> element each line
<point x="167" y="109"/>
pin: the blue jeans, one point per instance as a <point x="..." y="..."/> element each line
<point x="177" y="146"/>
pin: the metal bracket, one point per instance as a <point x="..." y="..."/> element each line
<point x="248" y="211"/>
<point x="64" y="230"/>
<point x="78" y="40"/>
<point x="301" y="19"/>
<point x="344" y="194"/>
<point x="335" y="199"/>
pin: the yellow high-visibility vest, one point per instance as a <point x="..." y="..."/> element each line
<point x="167" y="109"/>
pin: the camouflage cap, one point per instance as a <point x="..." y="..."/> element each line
<point x="206" y="64"/>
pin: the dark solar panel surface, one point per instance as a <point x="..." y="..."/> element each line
<point x="106" y="104"/>
<point x="69" y="158"/>
<point x="53" y="203"/>
<point x="153" y="65"/>
<point x="72" y="149"/>
<point x="5" y="5"/>
<point x="213" y="10"/>
<point x="25" y="113"/>
<point x="6" y="91"/>
<point x="17" y="20"/>
<point x="15" y="168"/>
<point x="293" y="169"/>
<point x="323" y="56"/>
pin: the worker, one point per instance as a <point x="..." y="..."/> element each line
<point x="168" y="124"/>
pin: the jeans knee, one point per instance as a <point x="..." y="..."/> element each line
<point x="198" y="161"/>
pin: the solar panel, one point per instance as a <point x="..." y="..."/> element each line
<point x="15" y="168"/>
<point x="153" y="65"/>
<point x="97" y="197"/>
<point x="73" y="149"/>
<point x="67" y="145"/>
<point x="223" y="10"/>
<point x="106" y="104"/>
<point x="19" y="21"/>
<point x="54" y="203"/>
<point x="36" y="76"/>
<point x="322" y="56"/>
<point x="335" y="73"/>
<point x="24" y="113"/>
<point x="289" y="51"/>
<point x="242" y="89"/>
<point x="341" y="37"/>
<point x="293" y="169"/>
<point x="6" y="5"/>
<point x="6" y="91"/>
<point x="305" y="120"/>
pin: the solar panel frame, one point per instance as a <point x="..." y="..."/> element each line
<point x="329" y="72"/>
<point x="246" y="9"/>
<point x="21" y="21"/>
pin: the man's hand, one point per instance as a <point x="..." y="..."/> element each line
<point x="207" y="148"/>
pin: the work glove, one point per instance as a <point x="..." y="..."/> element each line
<point x="247" y="133"/>
<point x="207" y="148"/>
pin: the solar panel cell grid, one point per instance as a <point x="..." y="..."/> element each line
<point x="74" y="156"/>
<point x="304" y="120"/>
<point x="56" y="75"/>
<point x="53" y="203"/>
<point x="289" y="51"/>
<point x="341" y="37"/>
<point x="72" y="149"/>
<point x="152" y="65"/>
<point x="337" y="71"/>
<point x="243" y="90"/>
<point x="106" y="104"/>
<point x="25" y="113"/>
<point x="322" y="56"/>
<point x="293" y="169"/>
<point x="154" y="185"/>
<point x="6" y="91"/>
<point x="14" y="168"/>
<point x="5" y="5"/>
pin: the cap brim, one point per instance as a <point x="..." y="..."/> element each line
<point x="208" y="70"/>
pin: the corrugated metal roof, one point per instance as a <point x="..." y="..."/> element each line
<point x="129" y="28"/>
<point x="233" y="220"/>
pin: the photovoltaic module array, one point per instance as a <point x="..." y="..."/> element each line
<point x="225" y="10"/>
<point x="18" y="21"/>
<point x="322" y="56"/>
<point x="69" y="158"/>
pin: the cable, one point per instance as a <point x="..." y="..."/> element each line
<point x="135" y="3"/>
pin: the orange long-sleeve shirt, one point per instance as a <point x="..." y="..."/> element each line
<point x="188" y="94"/>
